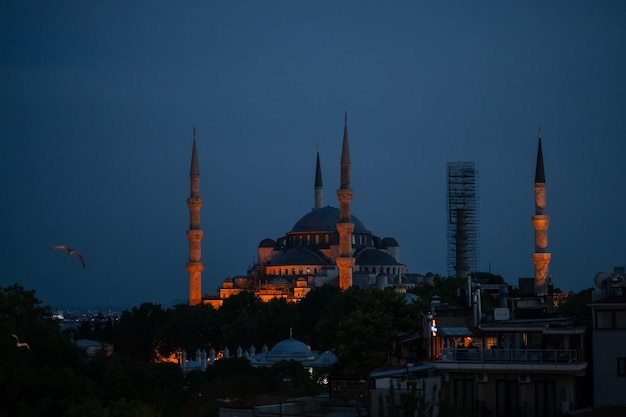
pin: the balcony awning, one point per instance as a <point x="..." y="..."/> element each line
<point x="454" y="332"/>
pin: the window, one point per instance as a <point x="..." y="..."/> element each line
<point x="621" y="366"/>
<point x="620" y="319"/>
<point x="610" y="319"/>
<point x="603" y="320"/>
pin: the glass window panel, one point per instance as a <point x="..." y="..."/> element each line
<point x="621" y="366"/>
<point x="604" y="319"/>
<point x="550" y="399"/>
<point x="620" y="319"/>
<point x="540" y="398"/>
<point x="500" y="398"/>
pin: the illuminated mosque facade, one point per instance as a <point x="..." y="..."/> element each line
<point x="326" y="246"/>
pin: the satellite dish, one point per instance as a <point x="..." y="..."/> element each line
<point x="599" y="279"/>
<point x="616" y="280"/>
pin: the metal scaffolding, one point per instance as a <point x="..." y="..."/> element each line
<point x="463" y="219"/>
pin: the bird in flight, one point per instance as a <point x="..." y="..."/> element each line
<point x="71" y="251"/>
<point x="20" y="344"/>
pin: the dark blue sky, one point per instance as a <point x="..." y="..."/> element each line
<point x="99" y="100"/>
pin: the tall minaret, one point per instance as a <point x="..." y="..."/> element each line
<point x="194" y="234"/>
<point x="319" y="195"/>
<point x="345" y="261"/>
<point x="541" y="221"/>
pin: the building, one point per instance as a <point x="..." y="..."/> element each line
<point x="326" y="246"/>
<point x="416" y="380"/>
<point x="520" y="359"/>
<point x="609" y="339"/>
<point x="286" y="350"/>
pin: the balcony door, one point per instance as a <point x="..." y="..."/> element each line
<point x="464" y="395"/>
<point x="545" y="399"/>
<point x="507" y="404"/>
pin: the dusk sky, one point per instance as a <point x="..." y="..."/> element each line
<point x="100" y="98"/>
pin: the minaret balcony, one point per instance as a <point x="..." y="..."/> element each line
<point x="195" y="234"/>
<point x="541" y="221"/>
<point x="195" y="266"/>
<point x="194" y="202"/>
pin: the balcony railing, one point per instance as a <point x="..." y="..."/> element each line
<point x="509" y="355"/>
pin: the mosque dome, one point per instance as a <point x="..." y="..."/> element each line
<point x="324" y="219"/>
<point x="290" y="349"/>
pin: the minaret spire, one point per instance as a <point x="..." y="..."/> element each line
<point x="541" y="221"/>
<point x="540" y="176"/>
<point x="194" y="234"/>
<point x="319" y="193"/>
<point x="345" y="227"/>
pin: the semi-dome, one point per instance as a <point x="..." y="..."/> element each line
<point x="299" y="256"/>
<point x="372" y="256"/>
<point x="290" y="349"/>
<point x="324" y="219"/>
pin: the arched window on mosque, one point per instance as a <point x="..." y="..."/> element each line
<point x="317" y="239"/>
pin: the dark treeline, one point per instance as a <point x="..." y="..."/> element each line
<point x="54" y="377"/>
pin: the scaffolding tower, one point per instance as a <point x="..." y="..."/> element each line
<point x="462" y="230"/>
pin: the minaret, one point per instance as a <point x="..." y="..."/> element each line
<point x="319" y="195"/>
<point x="541" y="221"/>
<point x="345" y="261"/>
<point x="194" y="234"/>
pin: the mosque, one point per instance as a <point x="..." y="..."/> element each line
<point x="326" y="246"/>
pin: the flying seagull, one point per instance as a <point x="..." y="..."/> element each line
<point x="20" y="344"/>
<point x="71" y="251"/>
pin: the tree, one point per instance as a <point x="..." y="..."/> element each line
<point x="136" y="332"/>
<point x="577" y="304"/>
<point x="37" y="379"/>
<point x="358" y="326"/>
<point x="189" y="328"/>
<point x="313" y="307"/>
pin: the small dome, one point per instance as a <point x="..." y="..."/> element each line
<point x="290" y="349"/>
<point x="389" y="242"/>
<point x="267" y="243"/>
